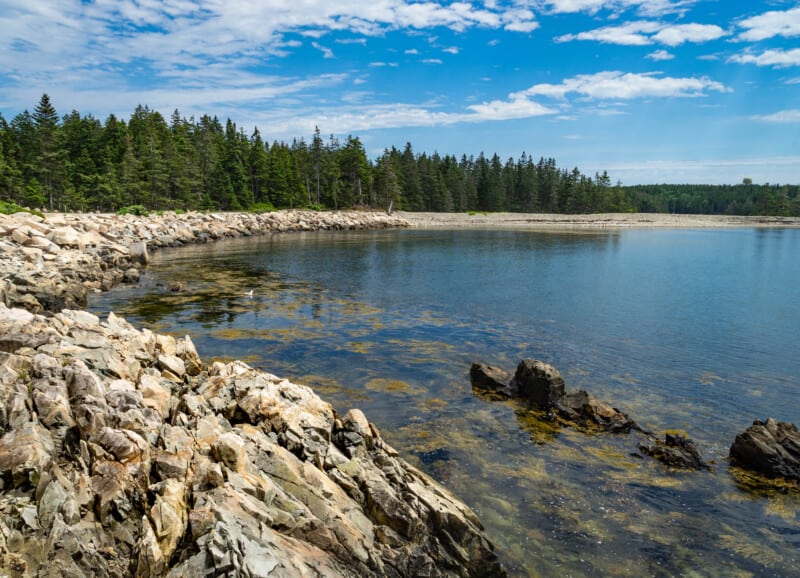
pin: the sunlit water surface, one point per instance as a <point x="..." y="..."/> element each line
<point x="693" y="330"/>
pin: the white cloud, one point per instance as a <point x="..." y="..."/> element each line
<point x="43" y="35"/>
<point x="660" y="55"/>
<point x="769" y="24"/>
<point x="776" y="58"/>
<point x="628" y="34"/>
<point x="643" y="7"/>
<point x="644" y="32"/>
<point x="326" y="52"/>
<point x="432" y="61"/>
<point x="680" y="33"/>
<point x="625" y="86"/>
<point x="451" y="50"/>
<point x="518" y="107"/>
<point x="519" y="20"/>
<point x="412" y="51"/>
<point x="783" y="116"/>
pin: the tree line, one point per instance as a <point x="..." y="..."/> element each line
<point x="77" y="163"/>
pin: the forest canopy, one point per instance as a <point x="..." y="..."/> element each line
<point x="77" y="163"/>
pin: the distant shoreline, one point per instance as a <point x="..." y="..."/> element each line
<point x="593" y="221"/>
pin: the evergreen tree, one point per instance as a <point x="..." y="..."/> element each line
<point x="48" y="158"/>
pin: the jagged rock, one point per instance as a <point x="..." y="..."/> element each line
<point x="675" y="451"/>
<point x="229" y="471"/>
<point x="542" y="386"/>
<point x="770" y="448"/>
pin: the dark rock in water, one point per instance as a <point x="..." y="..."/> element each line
<point x="586" y="410"/>
<point x="438" y="455"/>
<point x="492" y="378"/>
<point x="541" y="384"/>
<point x="676" y="451"/>
<point x="771" y="448"/>
<point x="538" y="382"/>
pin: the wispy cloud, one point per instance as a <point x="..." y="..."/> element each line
<point x="769" y="24"/>
<point x="644" y="32"/>
<point x="782" y="116"/>
<point x="643" y="7"/>
<point x="701" y="171"/>
<point x="777" y="58"/>
<point x="326" y="52"/>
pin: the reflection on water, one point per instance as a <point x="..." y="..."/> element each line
<point x="692" y="330"/>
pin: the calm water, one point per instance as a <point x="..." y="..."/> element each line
<point x="693" y="330"/>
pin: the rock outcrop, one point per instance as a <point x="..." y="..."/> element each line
<point x="541" y="385"/>
<point x="122" y="454"/>
<point x="50" y="263"/>
<point x="770" y="448"/>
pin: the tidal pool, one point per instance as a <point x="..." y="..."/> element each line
<point x="693" y="330"/>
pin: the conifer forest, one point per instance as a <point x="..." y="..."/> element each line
<point x="76" y="162"/>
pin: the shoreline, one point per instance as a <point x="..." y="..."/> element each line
<point x="123" y="453"/>
<point x="551" y="221"/>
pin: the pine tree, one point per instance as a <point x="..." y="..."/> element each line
<point x="48" y="158"/>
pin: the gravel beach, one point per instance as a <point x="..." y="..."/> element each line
<point x="594" y="221"/>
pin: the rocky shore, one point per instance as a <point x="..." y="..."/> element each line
<point x="51" y="262"/>
<point x="123" y="454"/>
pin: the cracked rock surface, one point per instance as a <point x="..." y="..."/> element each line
<point x="115" y="462"/>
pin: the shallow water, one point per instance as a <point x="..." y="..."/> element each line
<point x="693" y="330"/>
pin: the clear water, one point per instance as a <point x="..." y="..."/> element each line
<point x="694" y="330"/>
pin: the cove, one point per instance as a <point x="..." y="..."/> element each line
<point x="692" y="330"/>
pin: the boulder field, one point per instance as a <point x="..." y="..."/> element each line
<point x="50" y="262"/>
<point x="123" y="454"/>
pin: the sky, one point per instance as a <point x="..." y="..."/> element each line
<point x="652" y="91"/>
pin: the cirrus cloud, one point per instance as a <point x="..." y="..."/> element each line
<point x="782" y="116"/>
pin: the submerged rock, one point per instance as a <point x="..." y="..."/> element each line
<point x="488" y="377"/>
<point x="589" y="412"/>
<point x="676" y="451"/>
<point x="121" y="454"/>
<point x="770" y="448"/>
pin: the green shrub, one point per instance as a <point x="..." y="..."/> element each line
<point x="9" y="208"/>
<point x="265" y="207"/>
<point x="137" y="210"/>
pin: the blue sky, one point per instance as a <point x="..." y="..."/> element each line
<point x="701" y="91"/>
